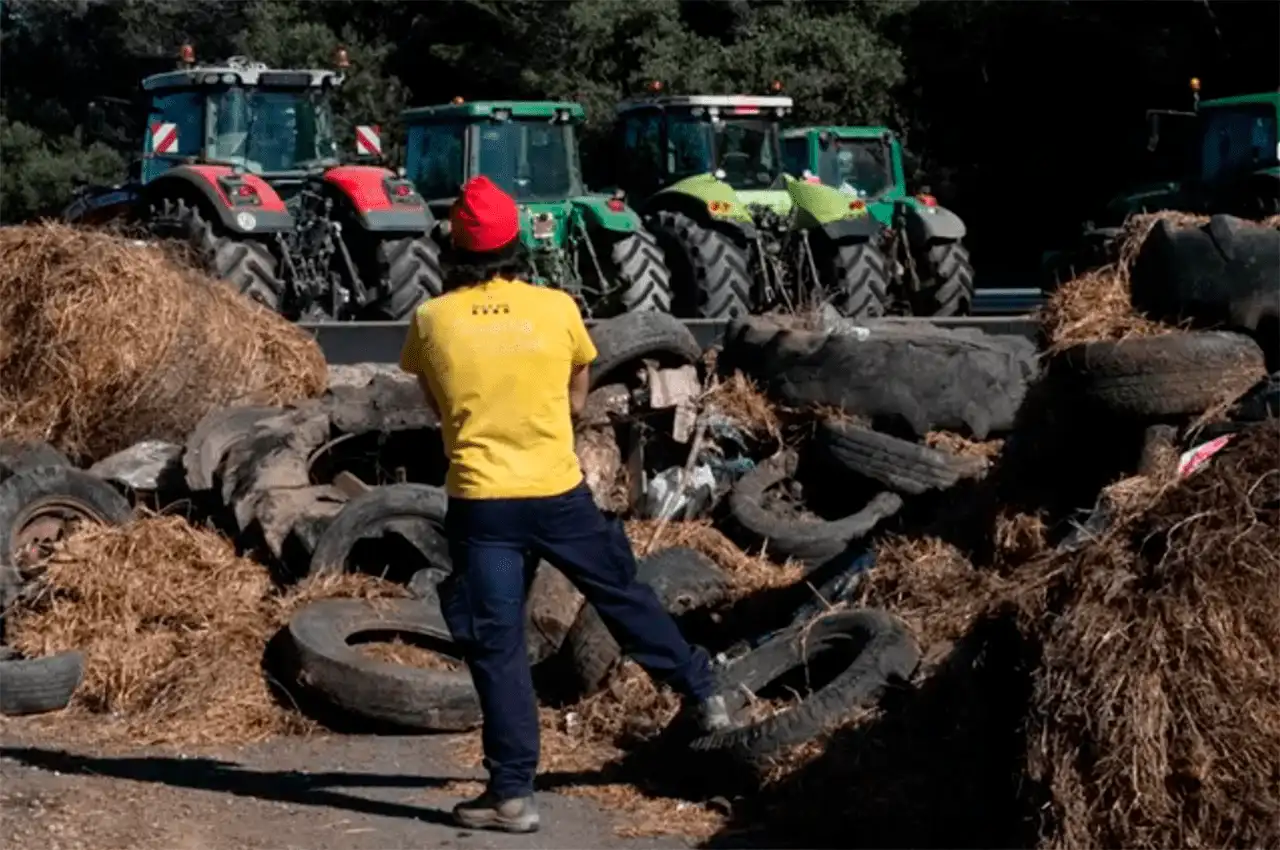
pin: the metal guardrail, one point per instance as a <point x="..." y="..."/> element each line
<point x="1002" y="311"/>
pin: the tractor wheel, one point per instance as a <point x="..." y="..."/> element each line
<point x="641" y="270"/>
<point x="410" y="274"/>
<point x="951" y="274"/>
<point x="713" y="270"/>
<point x="246" y="263"/>
<point x="859" y="280"/>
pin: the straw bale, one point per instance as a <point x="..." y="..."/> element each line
<point x="738" y="398"/>
<point x="109" y="342"/>
<point x="1156" y="717"/>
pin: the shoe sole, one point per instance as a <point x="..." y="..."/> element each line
<point x="497" y="824"/>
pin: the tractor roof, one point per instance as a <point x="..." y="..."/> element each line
<point x="240" y="71"/>
<point x="485" y="109"/>
<point x="1271" y="98"/>
<point x="719" y="101"/>
<point x="839" y="132"/>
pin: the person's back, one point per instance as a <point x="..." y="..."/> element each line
<point x="499" y="356"/>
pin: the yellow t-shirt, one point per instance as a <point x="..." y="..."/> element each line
<point x="497" y="358"/>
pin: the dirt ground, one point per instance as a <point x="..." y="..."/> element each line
<point x="318" y="793"/>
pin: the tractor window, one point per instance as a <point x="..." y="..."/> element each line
<point x="434" y="161"/>
<point x="745" y="150"/>
<point x="640" y="163"/>
<point x="530" y="160"/>
<point x="175" y="127"/>
<point x="795" y="156"/>
<point x="269" y="131"/>
<point x="859" y="167"/>
<point x="1237" y="138"/>
<point x="690" y="142"/>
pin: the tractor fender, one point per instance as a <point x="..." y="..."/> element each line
<point x="862" y="228"/>
<point x="217" y="189"/>
<point x="737" y="223"/>
<point x="932" y="224"/>
<point x="596" y="215"/>
<point x="382" y="201"/>
<point x="95" y="205"/>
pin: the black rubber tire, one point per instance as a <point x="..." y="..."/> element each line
<point x="15" y="456"/>
<point x="641" y="269"/>
<point x="905" y="466"/>
<point x="370" y="512"/>
<point x="813" y="543"/>
<point x="628" y="338"/>
<point x="711" y="272"/>
<point x="951" y="290"/>
<point x="39" y="685"/>
<point x="1176" y="374"/>
<point x="888" y="654"/>
<point x="683" y="580"/>
<point x="214" y="434"/>
<point x="246" y="263"/>
<point x="859" y="280"/>
<point x="407" y="697"/>
<point x="410" y="273"/>
<point x="43" y="486"/>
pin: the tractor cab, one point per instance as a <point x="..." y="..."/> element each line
<point x="864" y="163"/>
<point x="665" y="139"/>
<point x="277" y="124"/>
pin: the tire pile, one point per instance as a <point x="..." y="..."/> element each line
<point x="989" y="669"/>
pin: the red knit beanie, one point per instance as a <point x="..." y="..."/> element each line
<point x="483" y="218"/>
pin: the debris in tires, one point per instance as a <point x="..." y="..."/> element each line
<point x="197" y="346"/>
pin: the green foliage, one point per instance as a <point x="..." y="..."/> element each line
<point x="39" y="175"/>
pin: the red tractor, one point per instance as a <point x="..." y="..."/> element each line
<point x="241" y="162"/>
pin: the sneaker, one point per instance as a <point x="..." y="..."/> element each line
<point x="517" y="814"/>
<point x="712" y="715"/>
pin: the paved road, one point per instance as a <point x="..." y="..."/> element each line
<point x="332" y="793"/>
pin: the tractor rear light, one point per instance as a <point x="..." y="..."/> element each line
<point x="615" y="205"/>
<point x="187" y="54"/>
<point x="400" y="192"/>
<point x="857" y="206"/>
<point x="746" y="110"/>
<point x="927" y="200"/>
<point x="246" y="191"/>
<point x="403" y="190"/>
<point x="719" y="207"/>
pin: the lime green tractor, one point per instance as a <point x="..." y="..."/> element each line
<point x="740" y="235"/>
<point x="927" y="267"/>
<point x="590" y="245"/>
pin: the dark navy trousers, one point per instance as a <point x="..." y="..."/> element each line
<point x="495" y="545"/>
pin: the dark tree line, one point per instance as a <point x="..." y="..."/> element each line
<point x="1024" y="115"/>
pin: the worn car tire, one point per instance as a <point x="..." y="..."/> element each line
<point x="15" y="456"/>
<point x="407" y="697"/>
<point x="905" y="466"/>
<point x="925" y="377"/>
<point x="214" y="434"/>
<point x="415" y="511"/>
<point x="39" y="685"/>
<point x="627" y="338"/>
<point x="813" y="543"/>
<point x="43" y="488"/>
<point x="887" y="655"/>
<point x="1171" y="375"/>
<point x="683" y="580"/>
<point x="714" y="267"/>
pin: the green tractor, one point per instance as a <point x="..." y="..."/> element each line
<point x="1223" y="156"/>
<point x="929" y="272"/>
<point x="590" y="245"/>
<point x="740" y="234"/>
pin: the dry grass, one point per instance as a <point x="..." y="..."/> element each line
<point x="741" y="400"/>
<point x="1163" y="666"/>
<point x="748" y="573"/>
<point x="964" y="447"/>
<point x="173" y="625"/>
<point x="108" y="342"/>
<point x="398" y="652"/>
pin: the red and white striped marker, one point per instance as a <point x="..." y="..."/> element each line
<point x="368" y="140"/>
<point x="164" y="138"/>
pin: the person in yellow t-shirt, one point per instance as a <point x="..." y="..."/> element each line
<point x="505" y="365"/>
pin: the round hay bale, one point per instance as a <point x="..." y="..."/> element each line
<point x="108" y="341"/>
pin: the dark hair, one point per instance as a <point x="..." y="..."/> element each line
<point x="467" y="268"/>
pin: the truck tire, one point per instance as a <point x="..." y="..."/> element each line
<point x="712" y="272"/>
<point x="410" y="273"/>
<point x="952" y="276"/>
<point x="859" y="280"/>
<point x="246" y="263"/>
<point x="904" y="466"/>
<point x="15" y="456"/>
<point x="628" y="338"/>
<point x="417" y="509"/>
<point x="642" y="271"/>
